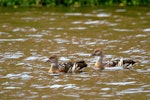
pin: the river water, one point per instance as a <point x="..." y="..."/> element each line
<point x="29" y="36"/>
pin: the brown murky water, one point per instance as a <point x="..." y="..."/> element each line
<point x="29" y="36"/>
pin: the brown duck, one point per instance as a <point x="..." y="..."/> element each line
<point x="124" y="63"/>
<point x="66" y="67"/>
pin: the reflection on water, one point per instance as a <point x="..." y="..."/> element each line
<point x="10" y="40"/>
<point x="131" y="91"/>
<point x="28" y="38"/>
<point x="122" y="30"/>
<point x="146" y="30"/>
<point x="120" y="83"/>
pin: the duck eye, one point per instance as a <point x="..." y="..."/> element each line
<point x="96" y="51"/>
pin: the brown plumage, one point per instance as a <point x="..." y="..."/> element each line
<point x="125" y="63"/>
<point x="66" y="67"/>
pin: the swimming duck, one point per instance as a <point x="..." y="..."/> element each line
<point x="66" y="67"/>
<point x="122" y="63"/>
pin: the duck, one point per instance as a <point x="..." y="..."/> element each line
<point x="121" y="63"/>
<point x="65" y="67"/>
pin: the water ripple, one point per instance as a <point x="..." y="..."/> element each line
<point x="146" y="30"/>
<point x="121" y="10"/>
<point x="73" y="14"/>
<point x="35" y="35"/>
<point x="103" y="15"/>
<point x="120" y="83"/>
<point x="143" y="71"/>
<point x="23" y="76"/>
<point x="123" y="30"/>
<point x="76" y="22"/>
<point x="133" y="90"/>
<point x="10" y="40"/>
<point x="140" y="35"/>
<point x="66" y="86"/>
<point x="3" y="33"/>
<point x="32" y="58"/>
<point x="77" y="28"/>
<point x="60" y="40"/>
<point x="12" y="87"/>
<point x="12" y="55"/>
<point x="91" y="22"/>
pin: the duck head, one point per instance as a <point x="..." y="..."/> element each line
<point x="54" y="64"/>
<point x="52" y="59"/>
<point x="97" y="52"/>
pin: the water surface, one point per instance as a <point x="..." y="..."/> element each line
<point x="29" y="36"/>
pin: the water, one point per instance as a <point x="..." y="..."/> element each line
<point x="30" y="36"/>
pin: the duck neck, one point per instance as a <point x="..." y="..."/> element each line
<point x="99" y="62"/>
<point x="54" y="67"/>
<point x="100" y="59"/>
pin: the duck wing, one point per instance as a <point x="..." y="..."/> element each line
<point x="75" y="66"/>
<point x="65" y="66"/>
<point x="126" y="63"/>
<point x="81" y="64"/>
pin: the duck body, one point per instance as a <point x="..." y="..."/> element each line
<point x="66" y="67"/>
<point x="125" y="63"/>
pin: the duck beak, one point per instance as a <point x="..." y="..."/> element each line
<point x="93" y="54"/>
<point x="47" y="61"/>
